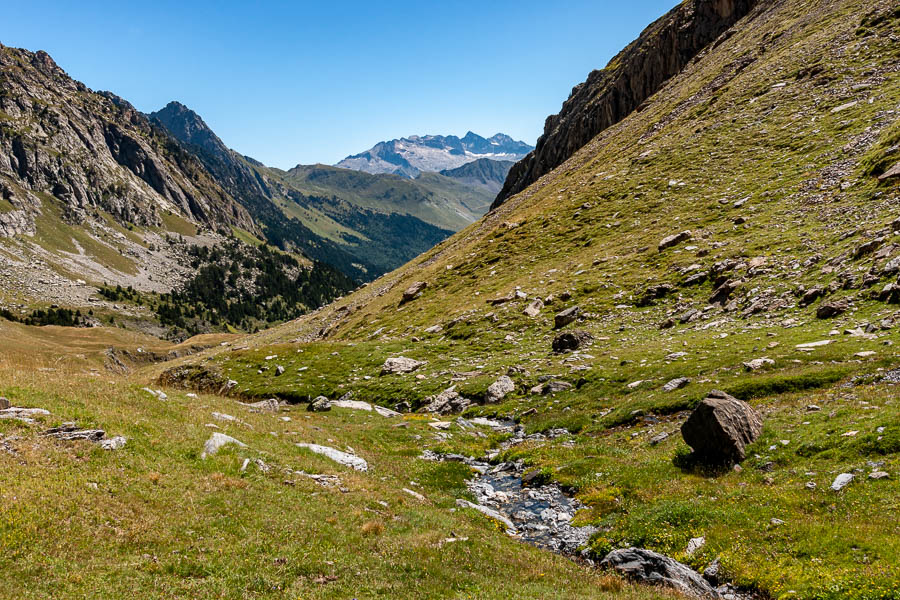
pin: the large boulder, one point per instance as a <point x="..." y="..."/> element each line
<point x="571" y="340"/>
<point x="400" y="364"/>
<point x="650" y="567"/>
<point x="498" y="390"/>
<point x="721" y="427"/>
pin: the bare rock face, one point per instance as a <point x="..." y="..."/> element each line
<point x="650" y="567"/>
<point x="720" y="428"/>
<point x="93" y="150"/>
<point x="636" y="73"/>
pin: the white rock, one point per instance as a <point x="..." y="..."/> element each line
<point x="490" y="512"/>
<point x="415" y="495"/>
<point x="113" y="443"/>
<point x="841" y="481"/>
<point x="216" y="441"/>
<point x="400" y="364"/>
<point x="694" y="544"/>
<point x="342" y="458"/>
<point x="352" y="405"/>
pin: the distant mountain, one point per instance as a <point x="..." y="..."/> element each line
<point x="432" y="153"/>
<point x="363" y="224"/>
<point x="483" y="173"/>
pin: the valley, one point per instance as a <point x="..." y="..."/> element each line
<point x="652" y="357"/>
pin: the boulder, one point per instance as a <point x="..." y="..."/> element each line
<point x="832" y="308"/>
<point x="400" y="364"/>
<point x="320" y="404"/>
<point x="721" y="427"/>
<point x="571" y="340"/>
<point x="499" y="389"/>
<point x="674" y="240"/>
<point x="413" y="291"/>
<point x="650" y="567"/>
<point x="565" y="317"/>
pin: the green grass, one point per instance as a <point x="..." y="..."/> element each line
<point x="155" y="520"/>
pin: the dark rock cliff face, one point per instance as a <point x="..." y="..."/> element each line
<point x="635" y="74"/>
<point x="93" y="151"/>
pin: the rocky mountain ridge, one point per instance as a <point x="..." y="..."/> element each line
<point x="609" y="95"/>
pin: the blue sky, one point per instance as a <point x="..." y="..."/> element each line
<point x="305" y="82"/>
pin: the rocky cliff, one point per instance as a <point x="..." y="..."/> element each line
<point x="93" y="151"/>
<point x="636" y="73"/>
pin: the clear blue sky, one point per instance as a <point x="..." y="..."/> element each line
<point x="305" y="82"/>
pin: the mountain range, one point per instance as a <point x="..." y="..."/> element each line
<point x="414" y="155"/>
<point x="88" y="180"/>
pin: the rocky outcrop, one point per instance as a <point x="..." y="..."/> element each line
<point x="636" y="73"/>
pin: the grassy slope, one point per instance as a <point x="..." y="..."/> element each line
<point x="724" y="131"/>
<point x="435" y="199"/>
<point x="156" y="520"/>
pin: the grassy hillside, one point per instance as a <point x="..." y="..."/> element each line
<point x="768" y="150"/>
<point x="156" y="520"/>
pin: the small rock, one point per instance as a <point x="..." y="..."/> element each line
<point x="694" y="544"/>
<point x="320" y="404"/>
<point x="565" y="317"/>
<point x="490" y="512"/>
<point x="413" y="291"/>
<point x="571" y="340"/>
<point x="551" y="387"/>
<point x="758" y="363"/>
<point x="499" y="389"/>
<point x="841" y="481"/>
<point x="674" y="240"/>
<point x="279" y="370"/>
<point x="675" y="384"/>
<point x="534" y="308"/>
<point x="113" y="443"/>
<point x="878" y="475"/>
<point x="4" y="403"/>
<point x="343" y="458"/>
